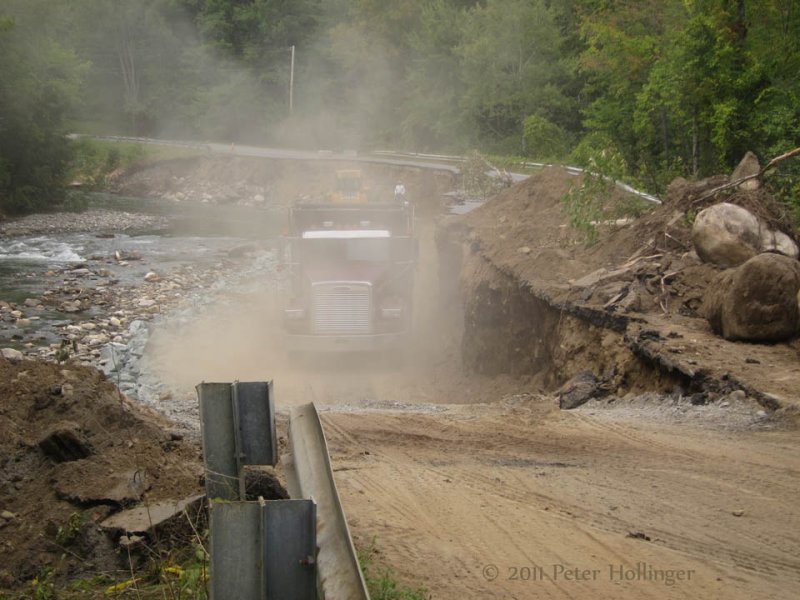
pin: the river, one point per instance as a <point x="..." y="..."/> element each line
<point x="118" y="257"/>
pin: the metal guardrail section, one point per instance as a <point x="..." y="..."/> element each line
<point x="309" y="475"/>
<point x="412" y="159"/>
<point x="237" y="428"/>
<point x="529" y="165"/>
<point x="263" y="550"/>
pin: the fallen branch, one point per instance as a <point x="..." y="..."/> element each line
<point x="741" y="180"/>
<point x="676" y="240"/>
<point x="602" y="274"/>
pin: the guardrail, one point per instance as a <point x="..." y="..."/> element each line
<point x="309" y="475"/>
<point x="520" y="176"/>
<point x="415" y="159"/>
<point x="298" y="549"/>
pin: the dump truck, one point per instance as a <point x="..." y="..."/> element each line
<point x="351" y="269"/>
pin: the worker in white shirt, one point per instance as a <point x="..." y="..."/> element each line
<point x="400" y="192"/>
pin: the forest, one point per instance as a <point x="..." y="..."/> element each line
<point x="645" y="90"/>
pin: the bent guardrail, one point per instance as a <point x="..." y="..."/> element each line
<point x="297" y="549"/>
<point x="309" y="475"/>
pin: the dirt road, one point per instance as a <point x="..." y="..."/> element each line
<point x="519" y="500"/>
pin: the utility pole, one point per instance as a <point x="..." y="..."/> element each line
<point x="291" y="83"/>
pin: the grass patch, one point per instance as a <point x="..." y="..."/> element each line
<point x="381" y="580"/>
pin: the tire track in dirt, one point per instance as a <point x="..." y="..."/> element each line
<point x="448" y="494"/>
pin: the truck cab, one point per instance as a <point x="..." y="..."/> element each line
<point x="351" y="269"/>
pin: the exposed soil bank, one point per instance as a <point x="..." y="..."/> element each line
<point x="539" y="302"/>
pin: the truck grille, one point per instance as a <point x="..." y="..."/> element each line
<point x="342" y="308"/>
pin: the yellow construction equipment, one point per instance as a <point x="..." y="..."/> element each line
<point x="349" y="187"/>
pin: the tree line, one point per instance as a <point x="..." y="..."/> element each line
<point x="650" y="89"/>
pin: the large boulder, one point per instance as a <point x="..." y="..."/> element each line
<point x="757" y="301"/>
<point x="728" y="235"/>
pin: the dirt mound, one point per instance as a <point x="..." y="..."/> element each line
<point x="524" y="230"/>
<point x="73" y="451"/>
<point x="648" y="262"/>
<point x="641" y="279"/>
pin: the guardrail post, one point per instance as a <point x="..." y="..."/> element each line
<point x="237" y="426"/>
<point x="263" y="550"/>
<point x="219" y="443"/>
<point x="254" y="420"/>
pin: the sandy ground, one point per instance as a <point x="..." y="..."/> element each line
<point x="519" y="500"/>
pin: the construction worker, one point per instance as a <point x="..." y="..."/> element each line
<point x="400" y="192"/>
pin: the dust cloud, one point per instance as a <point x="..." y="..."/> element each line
<point x="239" y="335"/>
<point x="241" y="339"/>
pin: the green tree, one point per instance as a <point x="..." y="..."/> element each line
<point x="38" y="87"/>
<point x="139" y="81"/>
<point x="431" y="120"/>
<point x="510" y="65"/>
<point x="623" y="41"/>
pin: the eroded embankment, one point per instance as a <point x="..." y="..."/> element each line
<point x="513" y="327"/>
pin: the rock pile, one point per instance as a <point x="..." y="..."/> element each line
<point x="108" y="321"/>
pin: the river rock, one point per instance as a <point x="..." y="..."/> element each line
<point x="777" y="241"/>
<point x="757" y="301"/>
<point x="96" y="340"/>
<point x="12" y="354"/>
<point x="152" y="276"/>
<point x="71" y="306"/>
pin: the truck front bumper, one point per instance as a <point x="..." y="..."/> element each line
<point x="344" y="343"/>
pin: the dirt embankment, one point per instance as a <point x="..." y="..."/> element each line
<point x="73" y="451"/>
<point x="539" y="301"/>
